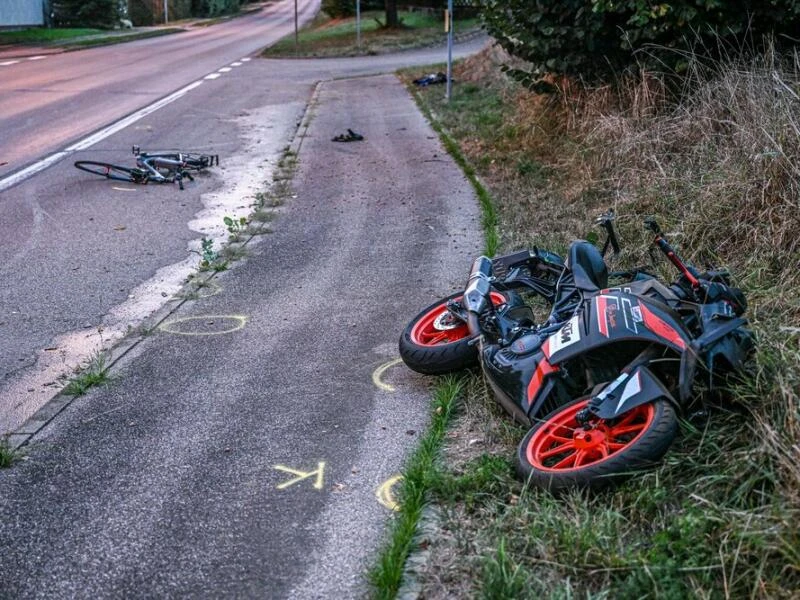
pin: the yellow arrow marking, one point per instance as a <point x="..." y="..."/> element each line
<point x="378" y="373"/>
<point x="384" y="493"/>
<point x="301" y="475"/>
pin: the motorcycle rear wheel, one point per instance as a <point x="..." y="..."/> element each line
<point x="436" y="342"/>
<point x="558" y="453"/>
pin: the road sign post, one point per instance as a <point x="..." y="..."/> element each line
<point x="449" y="26"/>
<point x="358" y="24"/>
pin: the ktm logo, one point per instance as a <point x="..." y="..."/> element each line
<point x="566" y="333"/>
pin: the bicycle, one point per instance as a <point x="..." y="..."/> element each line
<point x="159" y="167"/>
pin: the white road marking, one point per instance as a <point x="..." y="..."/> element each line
<point x="212" y="75"/>
<point x="236" y="64"/>
<point x="31" y="170"/>
<point x="247" y="59"/>
<point x="94" y="138"/>
<point x="224" y="70"/>
<point x="8" y="63"/>
<point x="36" y="57"/>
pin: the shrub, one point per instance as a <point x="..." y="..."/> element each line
<point x="86" y="13"/>
<point x="213" y="8"/>
<point x="338" y="8"/>
<point x="598" y="39"/>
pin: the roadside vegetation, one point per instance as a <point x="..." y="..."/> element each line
<point x="94" y="373"/>
<point x="8" y="455"/>
<point x="715" y="159"/>
<point x="39" y="35"/>
<point x="326" y="36"/>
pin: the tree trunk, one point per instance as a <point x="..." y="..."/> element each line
<point x="392" y="21"/>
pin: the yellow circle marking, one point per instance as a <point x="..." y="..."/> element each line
<point x="173" y="326"/>
<point x="207" y="290"/>
<point x="378" y="373"/>
<point x="384" y="493"/>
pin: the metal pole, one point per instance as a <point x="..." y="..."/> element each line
<point x="449" y="88"/>
<point x="296" y="33"/>
<point x="358" y="24"/>
<point x="166" y="13"/>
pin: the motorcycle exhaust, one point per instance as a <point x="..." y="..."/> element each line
<point x="476" y="293"/>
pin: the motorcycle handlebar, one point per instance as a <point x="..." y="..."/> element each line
<point x="663" y="245"/>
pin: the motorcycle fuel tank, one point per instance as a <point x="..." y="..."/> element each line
<point x="614" y="316"/>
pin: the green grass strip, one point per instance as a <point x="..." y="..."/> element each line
<point x="387" y="575"/>
<point x="38" y="35"/>
<point x="120" y="39"/>
<point x="489" y="212"/>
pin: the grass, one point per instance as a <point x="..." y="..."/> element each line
<point x="93" y="374"/>
<point x="121" y="38"/>
<point x="719" y="518"/>
<point x="326" y="37"/>
<point x="387" y="575"/>
<point x="77" y="38"/>
<point x="37" y="35"/>
<point x="8" y="456"/>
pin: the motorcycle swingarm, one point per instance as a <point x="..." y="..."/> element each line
<point x="629" y="390"/>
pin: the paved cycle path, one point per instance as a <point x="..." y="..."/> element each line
<point x="238" y="450"/>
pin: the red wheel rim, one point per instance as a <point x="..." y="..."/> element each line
<point x="562" y="445"/>
<point x="438" y="326"/>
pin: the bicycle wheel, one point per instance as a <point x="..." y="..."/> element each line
<point x="110" y="171"/>
<point x="198" y="162"/>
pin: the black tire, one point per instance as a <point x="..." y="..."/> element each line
<point x="110" y="171"/>
<point x="544" y="461"/>
<point x="198" y="162"/>
<point x="436" y="342"/>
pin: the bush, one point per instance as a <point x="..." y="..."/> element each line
<point x="598" y="39"/>
<point x="86" y="13"/>
<point x="338" y="8"/>
<point x="213" y="8"/>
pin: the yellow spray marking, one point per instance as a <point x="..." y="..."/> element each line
<point x="208" y="289"/>
<point x="301" y="475"/>
<point x="174" y="326"/>
<point x="385" y="495"/>
<point x="119" y="189"/>
<point x="378" y="373"/>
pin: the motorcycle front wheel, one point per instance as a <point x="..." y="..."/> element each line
<point x="436" y="341"/>
<point x="558" y="453"/>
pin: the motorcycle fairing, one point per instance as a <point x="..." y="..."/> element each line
<point x="520" y="375"/>
<point x="628" y="391"/>
<point x="617" y="316"/>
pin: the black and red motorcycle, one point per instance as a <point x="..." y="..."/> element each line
<point x="602" y="380"/>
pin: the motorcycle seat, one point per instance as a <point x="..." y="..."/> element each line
<point x="589" y="271"/>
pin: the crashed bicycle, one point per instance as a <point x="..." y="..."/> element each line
<point x="155" y="167"/>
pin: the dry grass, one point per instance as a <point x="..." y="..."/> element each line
<point x="720" y="168"/>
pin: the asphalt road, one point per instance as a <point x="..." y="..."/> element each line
<point x="241" y="456"/>
<point x="85" y="260"/>
<point x="52" y="102"/>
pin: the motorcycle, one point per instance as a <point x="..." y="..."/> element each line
<point x="602" y="380"/>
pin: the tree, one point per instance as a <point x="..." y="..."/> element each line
<point x="392" y="20"/>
